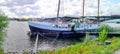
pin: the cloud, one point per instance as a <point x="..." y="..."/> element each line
<point x="11" y="3"/>
<point x="25" y="10"/>
<point x="48" y="8"/>
<point x="7" y="12"/>
<point x="115" y="10"/>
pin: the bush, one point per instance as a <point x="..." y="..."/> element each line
<point x="102" y="36"/>
<point x="105" y="27"/>
<point x="3" y="24"/>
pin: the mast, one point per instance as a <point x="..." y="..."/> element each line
<point x="98" y="13"/>
<point x="83" y="8"/>
<point x="98" y="7"/>
<point x="58" y="9"/>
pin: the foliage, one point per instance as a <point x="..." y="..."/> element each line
<point x="106" y="27"/>
<point x="3" y="24"/>
<point x="102" y="35"/>
<point x="1" y="51"/>
<point x="3" y="21"/>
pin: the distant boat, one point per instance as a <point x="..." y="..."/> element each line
<point x="62" y="26"/>
<point x="115" y="23"/>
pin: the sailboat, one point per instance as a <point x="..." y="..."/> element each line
<point x="62" y="26"/>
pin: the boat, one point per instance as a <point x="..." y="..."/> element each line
<point x="114" y="23"/>
<point x="62" y="26"/>
<point x="66" y="29"/>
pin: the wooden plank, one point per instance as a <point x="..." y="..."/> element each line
<point x="36" y="45"/>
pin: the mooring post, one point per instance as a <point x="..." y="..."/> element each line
<point x="34" y="51"/>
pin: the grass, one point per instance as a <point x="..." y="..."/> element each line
<point x="1" y="51"/>
<point x="91" y="48"/>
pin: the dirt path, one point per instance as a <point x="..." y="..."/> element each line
<point x="117" y="52"/>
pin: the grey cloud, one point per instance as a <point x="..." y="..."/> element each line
<point x="17" y="3"/>
<point x="22" y="11"/>
<point x="33" y="7"/>
<point x="74" y="5"/>
<point x="92" y="6"/>
<point x="26" y="13"/>
<point x="77" y="13"/>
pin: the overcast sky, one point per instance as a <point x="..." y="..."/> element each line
<point x="48" y="8"/>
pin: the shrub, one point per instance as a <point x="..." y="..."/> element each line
<point x="3" y="24"/>
<point x="102" y="35"/>
<point x="106" y="27"/>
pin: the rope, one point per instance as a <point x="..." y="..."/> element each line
<point x="55" y="39"/>
<point x="42" y="35"/>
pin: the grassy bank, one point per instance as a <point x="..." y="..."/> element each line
<point x="97" y="46"/>
<point x="93" y="47"/>
<point x="3" y="24"/>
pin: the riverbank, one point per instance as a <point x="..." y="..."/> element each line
<point x="93" y="47"/>
<point x="101" y="45"/>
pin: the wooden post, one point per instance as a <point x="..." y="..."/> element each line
<point x="36" y="45"/>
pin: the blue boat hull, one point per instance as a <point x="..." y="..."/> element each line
<point x="54" y="33"/>
<point x="61" y="30"/>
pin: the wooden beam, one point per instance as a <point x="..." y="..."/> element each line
<point x="58" y="9"/>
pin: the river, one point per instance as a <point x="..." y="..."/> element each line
<point x="17" y="40"/>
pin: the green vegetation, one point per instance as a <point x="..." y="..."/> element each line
<point x="1" y="51"/>
<point x="89" y="46"/>
<point x="106" y="27"/>
<point x="102" y="35"/>
<point x="87" y="39"/>
<point x="3" y="24"/>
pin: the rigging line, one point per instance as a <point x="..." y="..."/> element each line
<point x="55" y="38"/>
<point x="53" y="41"/>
